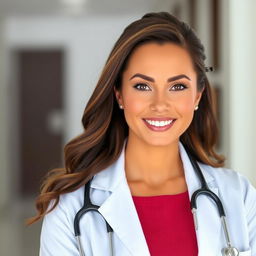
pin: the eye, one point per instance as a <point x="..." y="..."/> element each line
<point x="141" y="87"/>
<point x="178" y="87"/>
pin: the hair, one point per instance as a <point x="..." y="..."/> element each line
<point x="105" y="128"/>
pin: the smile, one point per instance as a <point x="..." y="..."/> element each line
<point x="159" y="125"/>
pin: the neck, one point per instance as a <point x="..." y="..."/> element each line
<point x="152" y="164"/>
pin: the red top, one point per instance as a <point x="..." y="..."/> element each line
<point x="167" y="223"/>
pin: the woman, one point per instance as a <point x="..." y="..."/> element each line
<point x="150" y="112"/>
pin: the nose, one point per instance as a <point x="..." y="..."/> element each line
<point x="160" y="102"/>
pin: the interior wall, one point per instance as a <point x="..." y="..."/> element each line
<point x="223" y="79"/>
<point x="82" y="41"/>
<point x="242" y="86"/>
<point x="219" y="78"/>
<point x="235" y="76"/>
<point x="4" y="145"/>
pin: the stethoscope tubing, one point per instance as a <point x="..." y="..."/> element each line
<point x="87" y="207"/>
<point x="204" y="190"/>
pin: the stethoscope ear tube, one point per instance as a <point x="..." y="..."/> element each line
<point x="211" y="195"/>
<point x="87" y="207"/>
<point x="84" y="209"/>
<point x="204" y="190"/>
<point x="80" y="248"/>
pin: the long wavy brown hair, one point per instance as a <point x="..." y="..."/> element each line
<point x="105" y="128"/>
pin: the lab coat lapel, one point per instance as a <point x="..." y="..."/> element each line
<point x="209" y="233"/>
<point x="120" y="213"/>
<point x="119" y="210"/>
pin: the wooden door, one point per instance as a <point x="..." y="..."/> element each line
<point x="40" y="81"/>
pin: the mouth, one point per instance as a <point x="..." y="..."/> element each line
<point x="159" y="124"/>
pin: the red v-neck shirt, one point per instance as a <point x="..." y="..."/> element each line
<point x="167" y="223"/>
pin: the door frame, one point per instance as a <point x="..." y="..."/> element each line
<point x="13" y="114"/>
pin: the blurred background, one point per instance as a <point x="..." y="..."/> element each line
<point x="51" y="55"/>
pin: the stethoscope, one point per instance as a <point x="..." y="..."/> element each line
<point x="204" y="190"/>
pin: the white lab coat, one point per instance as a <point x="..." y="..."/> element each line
<point x="110" y="190"/>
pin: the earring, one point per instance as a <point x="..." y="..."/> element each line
<point x="120" y="106"/>
<point x="196" y="108"/>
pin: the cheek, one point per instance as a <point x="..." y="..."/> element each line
<point x="185" y="105"/>
<point x="134" y="103"/>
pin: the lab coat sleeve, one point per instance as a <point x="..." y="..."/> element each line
<point x="250" y="206"/>
<point x="57" y="237"/>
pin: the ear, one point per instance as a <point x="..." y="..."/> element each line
<point x="198" y="96"/>
<point x="118" y="96"/>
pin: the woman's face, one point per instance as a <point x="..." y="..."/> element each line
<point x="159" y="83"/>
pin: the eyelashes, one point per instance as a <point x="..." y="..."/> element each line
<point x="141" y="85"/>
<point x="180" y="87"/>
<point x="175" y="87"/>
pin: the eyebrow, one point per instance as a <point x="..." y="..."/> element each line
<point x="170" y="79"/>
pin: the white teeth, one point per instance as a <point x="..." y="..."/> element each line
<point x="159" y="123"/>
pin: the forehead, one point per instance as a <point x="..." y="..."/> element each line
<point x="165" y="58"/>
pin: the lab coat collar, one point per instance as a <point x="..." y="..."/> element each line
<point x="104" y="180"/>
<point x="118" y="209"/>
<point x="120" y="212"/>
<point x="111" y="177"/>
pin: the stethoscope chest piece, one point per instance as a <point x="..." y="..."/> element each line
<point x="230" y="251"/>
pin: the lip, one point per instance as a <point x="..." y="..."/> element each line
<point x="159" y="129"/>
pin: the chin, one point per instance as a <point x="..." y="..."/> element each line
<point x="160" y="142"/>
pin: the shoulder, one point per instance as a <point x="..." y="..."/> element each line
<point x="230" y="182"/>
<point x="57" y="232"/>
<point x="222" y="175"/>
<point x="69" y="204"/>
<point x="239" y="198"/>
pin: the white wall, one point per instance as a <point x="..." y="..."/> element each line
<point x="243" y="86"/>
<point x="220" y="76"/>
<point x="236" y="78"/>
